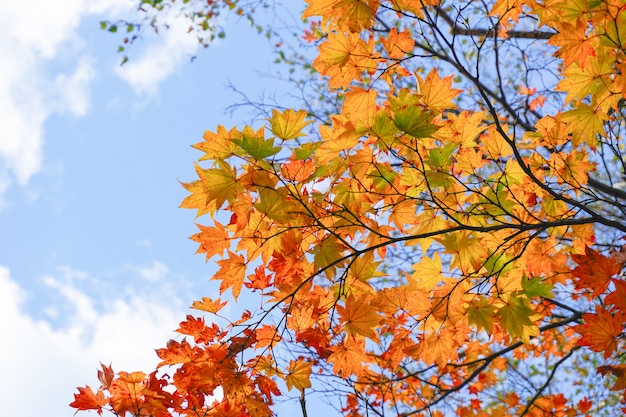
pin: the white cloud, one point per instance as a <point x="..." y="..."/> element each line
<point x="153" y="273"/>
<point x="46" y="362"/>
<point x="159" y="61"/>
<point x="38" y="36"/>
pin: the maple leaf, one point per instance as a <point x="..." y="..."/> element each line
<point x="213" y="240"/>
<point x="360" y="104"/>
<point x="592" y="80"/>
<point x="437" y="93"/>
<point x="428" y="272"/>
<point x="527" y="91"/>
<point x="537" y="102"/>
<point x="298" y="375"/>
<point x="518" y="318"/>
<point x="288" y="124"/>
<point x="410" y="117"/>
<point x="352" y="15"/>
<point x="494" y="144"/>
<point x="574" y="44"/>
<point x="585" y="123"/>
<point x="594" y="271"/>
<point x="209" y="305"/>
<point x="257" y="146"/>
<point x="619" y="371"/>
<point x="618" y="297"/>
<point x="212" y="190"/>
<point x="437" y="347"/>
<point x="86" y="399"/>
<point x="348" y="357"/>
<point x="480" y="312"/>
<point x="218" y="145"/>
<point x="326" y="255"/>
<point x="231" y="273"/>
<point x="398" y="44"/>
<point x="105" y="376"/>
<point x="343" y="58"/>
<point x="196" y="327"/>
<point x="127" y="392"/>
<point x="359" y="316"/>
<point x="175" y="353"/>
<point x="601" y="330"/>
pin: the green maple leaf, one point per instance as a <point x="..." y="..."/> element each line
<point x="257" y="147"/>
<point x="517" y="318"/>
<point x="536" y="287"/>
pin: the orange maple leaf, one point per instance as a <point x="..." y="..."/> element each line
<point x="197" y="328"/>
<point x="594" y="271"/>
<point x="601" y="330"/>
<point x="398" y="44"/>
<point x="127" y="392"/>
<point x="86" y="399"/>
<point x="213" y="240"/>
<point x="360" y="317"/>
<point x="348" y="357"/>
<point x="574" y="44"/>
<point x="619" y="371"/>
<point x="209" y="305"/>
<point x="232" y="273"/>
<point x="105" y="376"/>
<point x="618" y="297"/>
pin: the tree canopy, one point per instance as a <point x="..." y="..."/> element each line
<point x="444" y="237"/>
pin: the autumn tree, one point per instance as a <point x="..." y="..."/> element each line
<point x="448" y="239"/>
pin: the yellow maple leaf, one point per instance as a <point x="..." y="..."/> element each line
<point x="585" y="123"/>
<point x="352" y="15"/>
<point x="298" y="375"/>
<point x="427" y="272"/>
<point x="218" y="145"/>
<point x="437" y="93"/>
<point x="288" y="124"/>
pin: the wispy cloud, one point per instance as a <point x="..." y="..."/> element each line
<point x="152" y="273"/>
<point x="160" y="60"/>
<point x="37" y="35"/>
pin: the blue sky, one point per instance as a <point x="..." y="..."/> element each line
<point x="95" y="261"/>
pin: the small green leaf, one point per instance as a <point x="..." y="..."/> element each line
<point x="112" y="28"/>
<point x="103" y="25"/>
<point x="440" y="158"/>
<point x="480" y="313"/>
<point x="305" y="151"/>
<point x="415" y="122"/>
<point x="536" y="287"/>
<point x="257" y="147"/>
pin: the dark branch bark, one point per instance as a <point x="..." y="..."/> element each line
<point x="607" y="189"/>
<point x="519" y="34"/>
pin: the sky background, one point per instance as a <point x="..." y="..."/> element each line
<point x="95" y="260"/>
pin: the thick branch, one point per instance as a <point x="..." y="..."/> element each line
<point x="607" y="189"/>
<point x="519" y="34"/>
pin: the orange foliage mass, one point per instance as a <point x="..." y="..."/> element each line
<point x="411" y="248"/>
